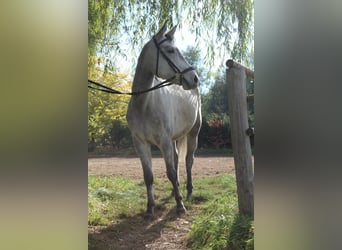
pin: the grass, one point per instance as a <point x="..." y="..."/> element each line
<point x="213" y="208"/>
<point x="112" y="198"/>
<point x="219" y="226"/>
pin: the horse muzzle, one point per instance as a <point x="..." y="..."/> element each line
<point x="189" y="81"/>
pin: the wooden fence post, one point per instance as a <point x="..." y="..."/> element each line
<point x="237" y="100"/>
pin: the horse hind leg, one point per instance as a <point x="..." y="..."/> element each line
<point x="167" y="149"/>
<point x="144" y="152"/>
<point x="189" y="159"/>
<point x="175" y="155"/>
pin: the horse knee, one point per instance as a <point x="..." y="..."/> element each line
<point x="172" y="175"/>
<point x="148" y="178"/>
<point x="189" y="160"/>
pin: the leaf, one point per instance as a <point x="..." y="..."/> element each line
<point x="111" y="35"/>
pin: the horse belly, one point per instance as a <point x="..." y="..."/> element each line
<point x="169" y="115"/>
<point x="183" y="122"/>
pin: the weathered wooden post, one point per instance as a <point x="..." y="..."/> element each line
<point x="237" y="100"/>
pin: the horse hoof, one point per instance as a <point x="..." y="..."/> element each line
<point x="181" y="210"/>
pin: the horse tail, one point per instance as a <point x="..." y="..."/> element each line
<point x="182" y="148"/>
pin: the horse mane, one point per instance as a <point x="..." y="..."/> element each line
<point x="142" y="53"/>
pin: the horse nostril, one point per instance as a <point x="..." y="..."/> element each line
<point x="196" y="79"/>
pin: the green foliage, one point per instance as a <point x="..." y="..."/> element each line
<point x="213" y="21"/>
<point x="120" y="135"/>
<point x="107" y="112"/>
<point x="99" y="16"/>
<point x="215" y="131"/>
<point x="215" y="109"/>
<point x="216" y="100"/>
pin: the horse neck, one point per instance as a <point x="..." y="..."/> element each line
<point x="142" y="79"/>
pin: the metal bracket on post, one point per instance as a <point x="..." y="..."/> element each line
<point x="250" y="131"/>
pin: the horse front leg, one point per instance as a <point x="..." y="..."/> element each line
<point x="168" y="149"/>
<point x="144" y="152"/>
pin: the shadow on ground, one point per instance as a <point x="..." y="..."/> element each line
<point x="131" y="232"/>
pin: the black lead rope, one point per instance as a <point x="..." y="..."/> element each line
<point x="106" y="89"/>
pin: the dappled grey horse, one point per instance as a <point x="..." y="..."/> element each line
<point x="169" y="117"/>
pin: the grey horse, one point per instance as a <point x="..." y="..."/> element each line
<point x="169" y="117"/>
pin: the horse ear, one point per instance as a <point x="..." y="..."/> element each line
<point x="171" y="32"/>
<point x="162" y="30"/>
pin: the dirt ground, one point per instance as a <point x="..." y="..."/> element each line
<point x="131" y="167"/>
<point x="167" y="230"/>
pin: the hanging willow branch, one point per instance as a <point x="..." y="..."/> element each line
<point x="213" y="21"/>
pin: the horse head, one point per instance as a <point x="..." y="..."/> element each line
<point x="166" y="61"/>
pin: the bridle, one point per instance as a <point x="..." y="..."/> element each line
<point x="178" y="73"/>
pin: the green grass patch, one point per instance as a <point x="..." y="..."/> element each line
<point x="213" y="208"/>
<point x="219" y="226"/>
<point x="112" y="198"/>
